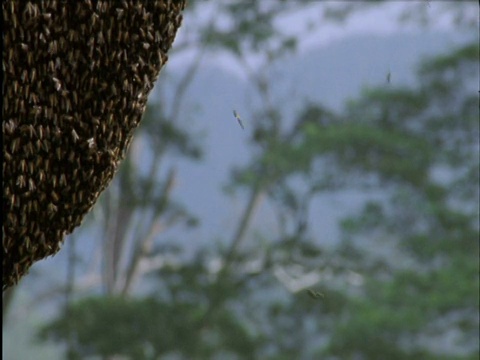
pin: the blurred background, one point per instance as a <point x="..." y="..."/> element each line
<point x="340" y="223"/>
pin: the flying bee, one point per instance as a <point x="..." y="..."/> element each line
<point x="238" y="119"/>
<point x="315" y="294"/>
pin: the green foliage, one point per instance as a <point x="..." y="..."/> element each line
<point x="431" y="223"/>
<point x="252" y="29"/>
<point x="131" y="325"/>
<point x="153" y="326"/>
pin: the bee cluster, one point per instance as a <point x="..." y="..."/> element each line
<point x="77" y="75"/>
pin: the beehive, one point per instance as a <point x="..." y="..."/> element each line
<point x="76" y="79"/>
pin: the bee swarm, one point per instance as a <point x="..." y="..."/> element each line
<point x="77" y="75"/>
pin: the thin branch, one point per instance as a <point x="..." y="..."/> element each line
<point x="254" y="201"/>
<point x="143" y="247"/>
<point x="188" y="77"/>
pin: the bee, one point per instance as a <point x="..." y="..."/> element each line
<point x="238" y="119"/>
<point x="63" y="180"/>
<point x="58" y="84"/>
<point x="41" y="175"/>
<point x="119" y="13"/>
<point x="31" y="185"/>
<point x="14" y="145"/>
<point x="91" y="143"/>
<point x="55" y="196"/>
<point x="315" y="294"/>
<point x="21" y="181"/>
<point x="51" y="210"/>
<point x="75" y="136"/>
